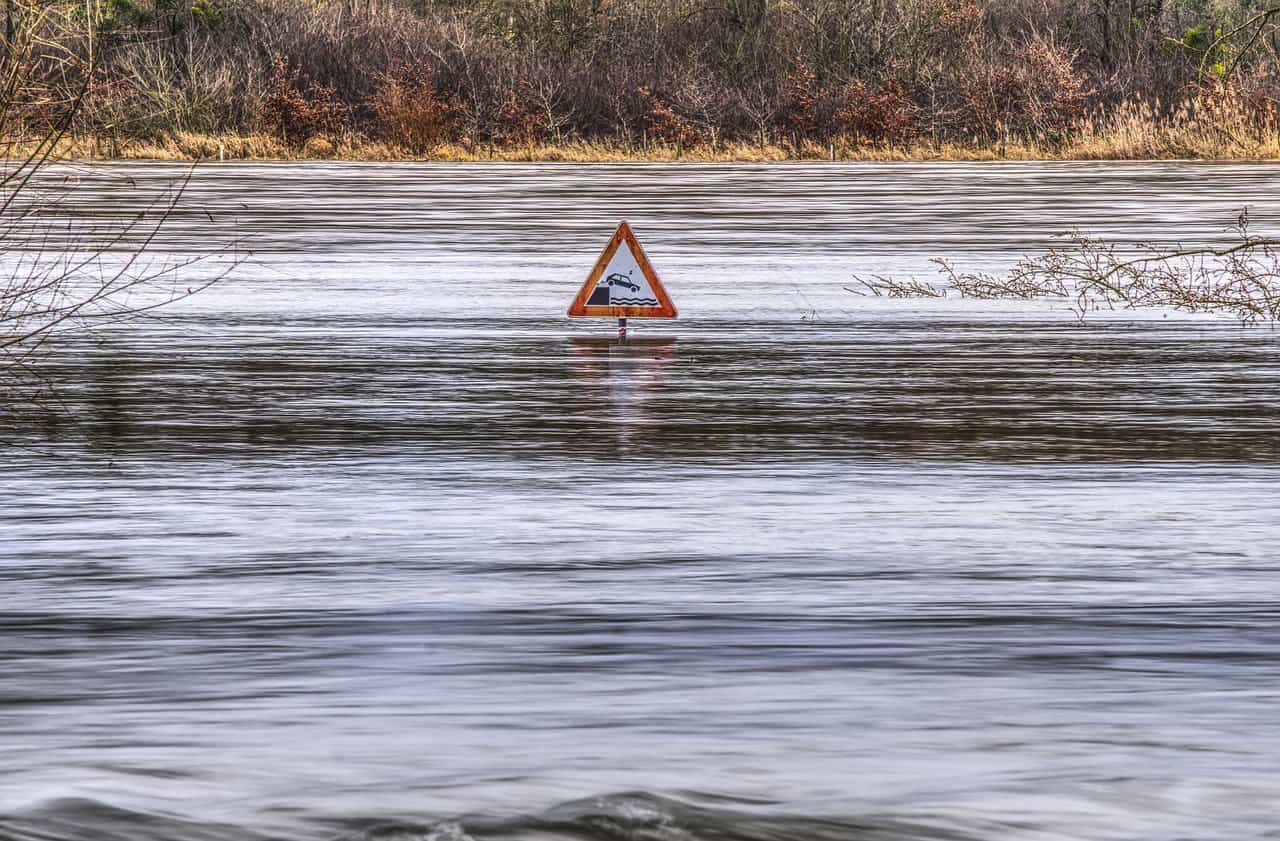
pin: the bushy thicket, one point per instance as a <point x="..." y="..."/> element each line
<point x="415" y="73"/>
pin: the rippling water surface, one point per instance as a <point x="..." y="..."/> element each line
<point x="369" y="542"/>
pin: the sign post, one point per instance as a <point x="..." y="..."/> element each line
<point x="622" y="285"/>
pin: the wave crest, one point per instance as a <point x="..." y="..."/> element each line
<point x="627" y="816"/>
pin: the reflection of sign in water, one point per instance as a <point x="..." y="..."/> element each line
<point x="619" y="382"/>
<point x="623" y="283"/>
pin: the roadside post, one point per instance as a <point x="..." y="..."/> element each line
<point x="622" y="285"/>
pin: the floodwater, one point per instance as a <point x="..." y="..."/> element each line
<point x="368" y="541"/>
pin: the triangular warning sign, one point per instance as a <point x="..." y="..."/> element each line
<point x="623" y="284"/>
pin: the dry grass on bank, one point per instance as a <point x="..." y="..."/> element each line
<point x="1198" y="129"/>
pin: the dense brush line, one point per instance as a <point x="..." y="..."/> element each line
<point x="416" y="74"/>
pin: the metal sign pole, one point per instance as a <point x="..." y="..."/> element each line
<point x="622" y="328"/>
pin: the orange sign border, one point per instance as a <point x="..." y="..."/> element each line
<point x="665" y="309"/>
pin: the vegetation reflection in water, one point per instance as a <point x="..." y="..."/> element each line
<point x="1031" y="392"/>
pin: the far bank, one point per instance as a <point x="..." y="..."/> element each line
<point x="1133" y="136"/>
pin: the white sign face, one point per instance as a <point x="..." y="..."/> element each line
<point x="623" y="284"/>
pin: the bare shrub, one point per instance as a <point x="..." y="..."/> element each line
<point x="1244" y="102"/>
<point x="86" y="276"/>
<point x="407" y="110"/>
<point x="1033" y="91"/>
<point x="343" y="46"/>
<point x="665" y="125"/>
<point x="1052" y="92"/>
<point x="799" y="114"/>
<point x="1241" y="280"/>
<point x="158" y="87"/>
<point x="298" y="110"/>
<point x="957" y="16"/>
<point x="518" y="120"/>
<point x="958" y="72"/>
<point x="880" y="286"/>
<point x="875" y="111"/>
<point x="60" y="274"/>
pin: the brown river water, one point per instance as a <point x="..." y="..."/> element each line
<point x="369" y="541"/>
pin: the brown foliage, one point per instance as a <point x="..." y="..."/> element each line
<point x="1036" y="91"/>
<point x="517" y="120"/>
<point x="1054" y="94"/>
<point x="407" y="110"/>
<point x="1252" y="97"/>
<point x="799" y="114"/>
<point x="665" y="125"/>
<point x="961" y="72"/>
<point x="954" y="16"/>
<point x="299" y="110"/>
<point x="877" y="111"/>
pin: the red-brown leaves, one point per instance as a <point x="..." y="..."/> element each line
<point x="408" y="111"/>
<point x="665" y="125"/>
<point x="300" y="109"/>
<point x="877" y="111"/>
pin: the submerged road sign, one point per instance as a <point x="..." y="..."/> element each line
<point x="623" y="284"/>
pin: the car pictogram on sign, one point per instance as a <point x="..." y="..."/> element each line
<point x="623" y="284"/>
<point x="622" y="280"/>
